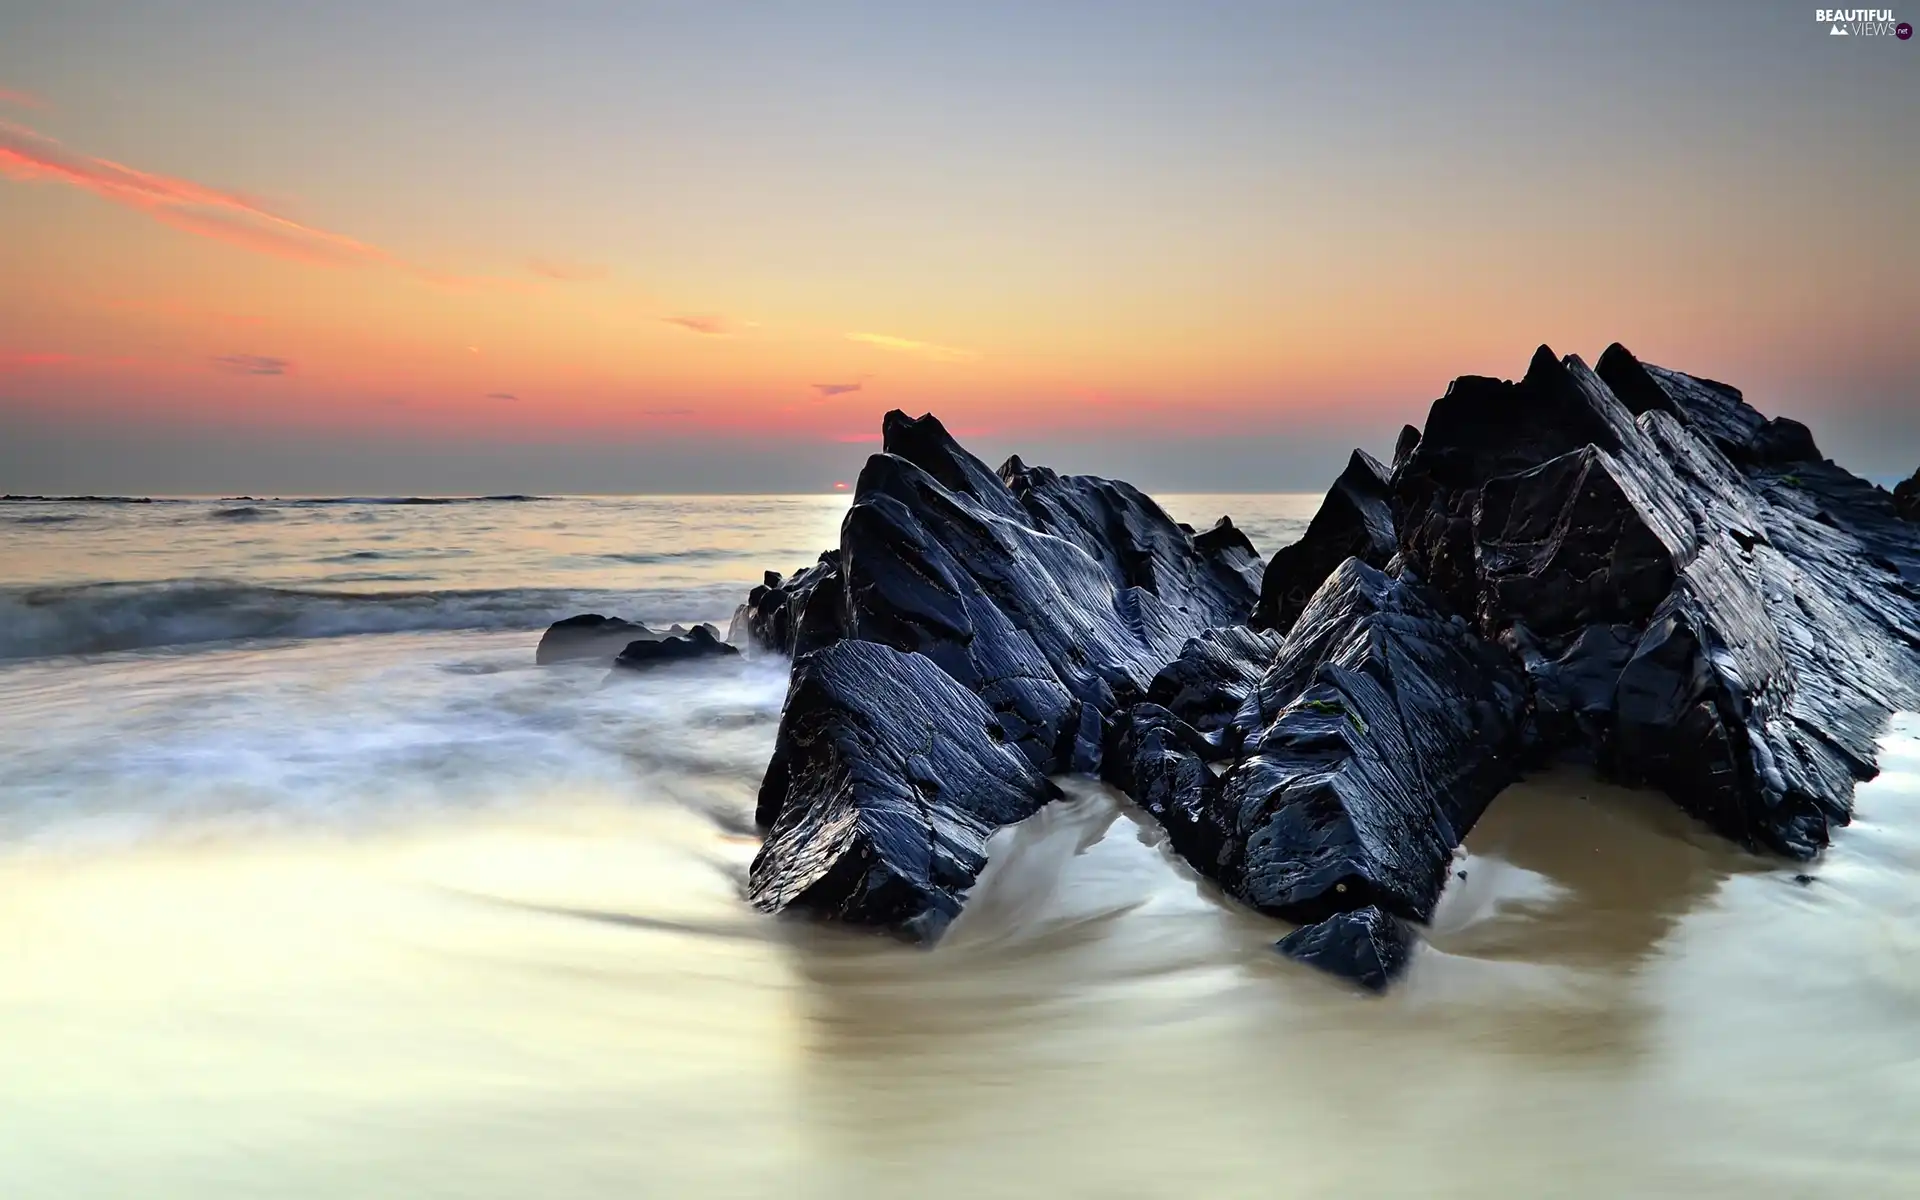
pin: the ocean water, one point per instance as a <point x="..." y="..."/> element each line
<point x="312" y="885"/>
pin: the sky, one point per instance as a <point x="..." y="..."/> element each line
<point x="690" y="247"/>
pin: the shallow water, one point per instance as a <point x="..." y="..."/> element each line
<point x="397" y="914"/>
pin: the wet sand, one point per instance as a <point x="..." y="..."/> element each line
<point x="570" y="1000"/>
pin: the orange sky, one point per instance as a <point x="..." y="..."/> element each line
<point x="669" y="229"/>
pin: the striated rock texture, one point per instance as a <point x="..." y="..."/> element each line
<point x="1048" y="601"/>
<point x="1354" y="521"/>
<point x="1623" y="564"/>
<point x="1371" y="742"/>
<point x="886" y="781"/>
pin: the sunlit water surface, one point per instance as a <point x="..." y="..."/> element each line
<point x="313" y="896"/>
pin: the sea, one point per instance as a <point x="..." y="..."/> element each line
<point x="312" y="884"/>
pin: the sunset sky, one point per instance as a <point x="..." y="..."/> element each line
<point x="410" y="247"/>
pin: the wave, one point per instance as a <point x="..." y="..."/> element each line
<point x="246" y="512"/>
<point x="297" y="502"/>
<point x="320" y="501"/>
<point x="14" y="499"/>
<point x="99" y="618"/>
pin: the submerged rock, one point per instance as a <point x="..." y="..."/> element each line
<point x="702" y="641"/>
<point x="587" y="636"/>
<point x="1367" y="945"/>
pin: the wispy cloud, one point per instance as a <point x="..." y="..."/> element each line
<point x="828" y="390"/>
<point x="26" y="358"/>
<point x="252" y="364"/>
<point x="20" y="99"/>
<point x="566" y="272"/>
<point x="210" y="212"/>
<point x="909" y="346"/>
<point x="501" y="396"/>
<point x="701" y="323"/>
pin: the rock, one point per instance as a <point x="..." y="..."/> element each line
<point x="702" y="641"/>
<point x="1368" y="946"/>
<point x="1213" y="676"/>
<point x="1354" y="521"/>
<point x="1627" y="565"/>
<point x="1906" y="497"/>
<point x="1371" y="745"/>
<point x="775" y="616"/>
<point x="587" y="636"/>
<point x="886" y="779"/>
<point x="1051" y="601"/>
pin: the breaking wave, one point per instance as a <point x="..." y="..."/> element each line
<point x="99" y="618"/>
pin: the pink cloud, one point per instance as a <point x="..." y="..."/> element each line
<point x="708" y="323"/>
<point x="567" y="272"/>
<point x="21" y="99"/>
<point x="209" y="212"/>
<point x="24" y="358"/>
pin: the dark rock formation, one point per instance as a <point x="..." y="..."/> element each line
<point x="1367" y="945"/>
<point x="1371" y="743"/>
<point x="1051" y="601"/>
<point x="1906" y="497"/>
<point x="588" y="636"/>
<point x="886" y="780"/>
<point x="1628" y="565"/>
<point x="1210" y="681"/>
<point x="702" y="641"/>
<point x="1701" y="602"/>
<point x="779" y="615"/>
<point x="1354" y="521"/>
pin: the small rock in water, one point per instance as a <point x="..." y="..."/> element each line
<point x="587" y="636"/>
<point x="702" y="641"/>
<point x="1368" y="946"/>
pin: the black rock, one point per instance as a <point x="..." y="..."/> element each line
<point x="780" y="616"/>
<point x="1371" y="745"/>
<point x="1628" y="565"/>
<point x="702" y="641"/>
<point x="1368" y="946"/>
<point x="1050" y="601"/>
<point x="1213" y="676"/>
<point x="587" y="636"/>
<point x="1906" y="497"/>
<point x="1354" y="521"/>
<point x="886" y="780"/>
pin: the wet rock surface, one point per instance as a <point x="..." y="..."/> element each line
<point x="1354" y="521"/>
<point x="591" y="637"/>
<point x="702" y="641"/>
<point x="886" y="780"/>
<point x="1049" y="601"/>
<point x="1367" y="945"/>
<point x="1622" y="564"/>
